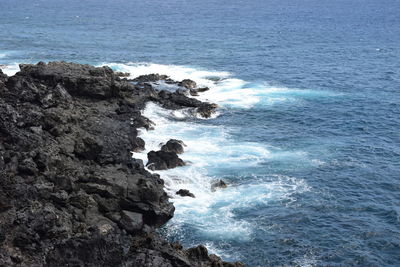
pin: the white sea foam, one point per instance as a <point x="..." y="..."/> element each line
<point x="212" y="215"/>
<point x="11" y="69"/>
<point x="202" y="77"/>
<point x="225" y="90"/>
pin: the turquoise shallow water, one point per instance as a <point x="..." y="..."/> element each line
<point x="308" y="131"/>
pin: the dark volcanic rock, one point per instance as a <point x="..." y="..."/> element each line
<point x="202" y="90"/>
<point x="193" y="92"/>
<point x="122" y="74"/>
<point x="162" y="160"/>
<point x="177" y="100"/>
<point x="131" y="221"/>
<point x="184" y="193"/>
<point x="206" y="110"/>
<point x="80" y="80"/>
<point x="188" y="84"/>
<point x="173" y="100"/>
<point x="173" y="145"/>
<point x="3" y="76"/>
<point x="70" y="192"/>
<point x="150" y="78"/>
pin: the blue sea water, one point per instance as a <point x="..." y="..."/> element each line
<point x="308" y="130"/>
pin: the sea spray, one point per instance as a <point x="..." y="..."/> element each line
<point x="10" y="69"/>
<point x="213" y="152"/>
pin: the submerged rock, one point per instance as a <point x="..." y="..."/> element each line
<point x="185" y="193"/>
<point x="218" y="184"/>
<point x="207" y="109"/>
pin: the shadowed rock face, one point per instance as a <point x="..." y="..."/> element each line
<point x="70" y="193"/>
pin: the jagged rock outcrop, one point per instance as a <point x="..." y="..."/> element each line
<point x="70" y="193"/>
<point x="178" y="98"/>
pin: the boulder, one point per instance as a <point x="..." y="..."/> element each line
<point x="162" y="160"/>
<point x="173" y="145"/>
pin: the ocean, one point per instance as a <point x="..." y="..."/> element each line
<point x="307" y="135"/>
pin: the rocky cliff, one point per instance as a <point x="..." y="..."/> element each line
<point x="70" y="192"/>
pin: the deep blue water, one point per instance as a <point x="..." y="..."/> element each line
<point x="308" y="134"/>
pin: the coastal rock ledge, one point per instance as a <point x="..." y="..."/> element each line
<point x="70" y="192"/>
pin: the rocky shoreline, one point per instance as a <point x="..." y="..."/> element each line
<point x="70" y="192"/>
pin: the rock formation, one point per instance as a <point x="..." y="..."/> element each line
<point x="70" y="192"/>
<point x="174" y="145"/>
<point x="162" y="160"/>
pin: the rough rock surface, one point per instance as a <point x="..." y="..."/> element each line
<point x="188" y="84"/>
<point x="162" y="160"/>
<point x="178" y="99"/>
<point x="70" y="193"/>
<point x="173" y="145"/>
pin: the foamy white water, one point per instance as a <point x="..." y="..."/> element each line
<point x="225" y="90"/>
<point x="211" y="148"/>
<point x="10" y="69"/>
<point x="208" y="148"/>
